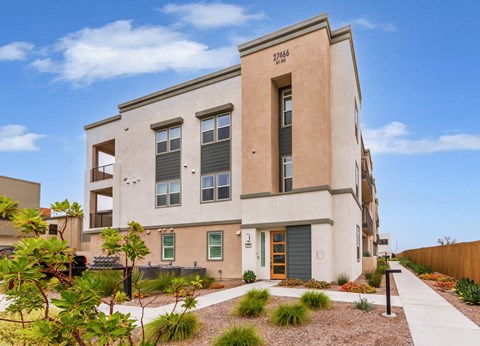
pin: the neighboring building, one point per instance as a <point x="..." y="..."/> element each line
<point x="26" y="194"/>
<point x="72" y="233"/>
<point x="384" y="245"/>
<point x="256" y="166"/>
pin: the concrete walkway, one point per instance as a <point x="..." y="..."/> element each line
<point x="431" y="319"/>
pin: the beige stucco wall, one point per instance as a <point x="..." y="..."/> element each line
<point x="27" y="194"/>
<point x="135" y="159"/>
<point x="308" y="64"/>
<point x="72" y="233"/>
<point x="190" y="245"/>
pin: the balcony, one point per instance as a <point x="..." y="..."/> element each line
<point x="367" y="183"/>
<point x="367" y="221"/>
<point x="101" y="219"/>
<point x="102" y="173"/>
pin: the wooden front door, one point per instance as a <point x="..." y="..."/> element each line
<point x="278" y="255"/>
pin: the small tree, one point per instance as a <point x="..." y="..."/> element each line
<point x="446" y="241"/>
<point x="26" y="283"/>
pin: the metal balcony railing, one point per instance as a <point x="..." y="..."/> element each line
<point x="102" y="173"/>
<point x="367" y="221"/>
<point x="101" y="219"/>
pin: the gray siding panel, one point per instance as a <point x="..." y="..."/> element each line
<point x="216" y="157"/>
<point x="299" y="252"/>
<point x="168" y="166"/>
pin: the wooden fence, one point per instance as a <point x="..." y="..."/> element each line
<point x="460" y="260"/>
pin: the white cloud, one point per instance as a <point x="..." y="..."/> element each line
<point x="120" y="49"/>
<point x="16" y="138"/>
<point x="214" y="15"/>
<point x="368" y="24"/>
<point x="394" y="139"/>
<point x="15" y="51"/>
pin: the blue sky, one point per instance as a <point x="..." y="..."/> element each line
<point x="67" y="64"/>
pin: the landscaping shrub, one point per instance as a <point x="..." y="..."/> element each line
<point x="363" y="304"/>
<point x="291" y="282"/>
<point x="249" y="276"/>
<point x="382" y="265"/>
<point x="342" y="279"/>
<point x="239" y="336"/>
<point x="315" y="300"/>
<point x="172" y="327"/>
<point x="109" y="279"/>
<point x="157" y="285"/>
<point x="357" y="288"/>
<point x="445" y="285"/>
<point x="216" y="286"/>
<point x="259" y="294"/>
<point x="366" y="253"/>
<point x="11" y="333"/>
<point x="250" y="307"/>
<point x="434" y="277"/>
<point x="286" y="314"/>
<point x="422" y="269"/>
<point x="312" y="283"/>
<point x="368" y="275"/>
<point x="468" y="291"/>
<point x="375" y="280"/>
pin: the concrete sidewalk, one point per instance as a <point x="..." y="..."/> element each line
<point x="431" y="319"/>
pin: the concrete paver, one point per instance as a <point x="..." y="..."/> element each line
<point x="431" y="319"/>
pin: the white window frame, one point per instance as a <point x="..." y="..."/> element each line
<point x="168" y="182"/>
<point x="209" y="246"/>
<point x="216" y="128"/>
<point x="164" y="258"/>
<point x="284" y="177"/>
<point x="216" y="186"/>
<point x="167" y="130"/>
<point x="358" y="243"/>
<point x="285" y="96"/>
<point x="357" y="180"/>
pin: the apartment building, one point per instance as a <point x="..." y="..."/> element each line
<point x="384" y="245"/>
<point x="26" y="194"/>
<point x="257" y="166"/>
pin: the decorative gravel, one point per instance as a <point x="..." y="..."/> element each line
<point x="340" y="325"/>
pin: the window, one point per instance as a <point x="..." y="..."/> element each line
<point x="286" y="95"/>
<point x="168" y="247"/>
<point x="383" y="242"/>
<point x="168" y="193"/>
<point x="358" y="243"/>
<point x="357" y="180"/>
<point x="52" y="229"/>
<point x="355" y="115"/>
<point x="216" y="187"/>
<point x="262" y="249"/>
<point x="168" y="140"/>
<point x="215" y="246"/>
<point x="216" y="128"/>
<point x="287" y="180"/>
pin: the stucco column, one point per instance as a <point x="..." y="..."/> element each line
<point x="322" y="252"/>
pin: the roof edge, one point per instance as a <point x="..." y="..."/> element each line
<point x="102" y="122"/>
<point x="190" y="85"/>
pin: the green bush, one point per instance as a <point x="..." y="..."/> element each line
<point x="368" y="275"/>
<point x="249" y="276"/>
<point x="366" y="253"/>
<point x="286" y="314"/>
<point x="172" y="327"/>
<point x="375" y="280"/>
<point x="363" y="304"/>
<point x="342" y="279"/>
<point x="109" y="279"/>
<point x="157" y="285"/>
<point x="468" y="291"/>
<point x="11" y="333"/>
<point x="316" y="300"/>
<point x="312" y="283"/>
<point x="239" y="336"/>
<point x="259" y="294"/>
<point x="250" y="307"/>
